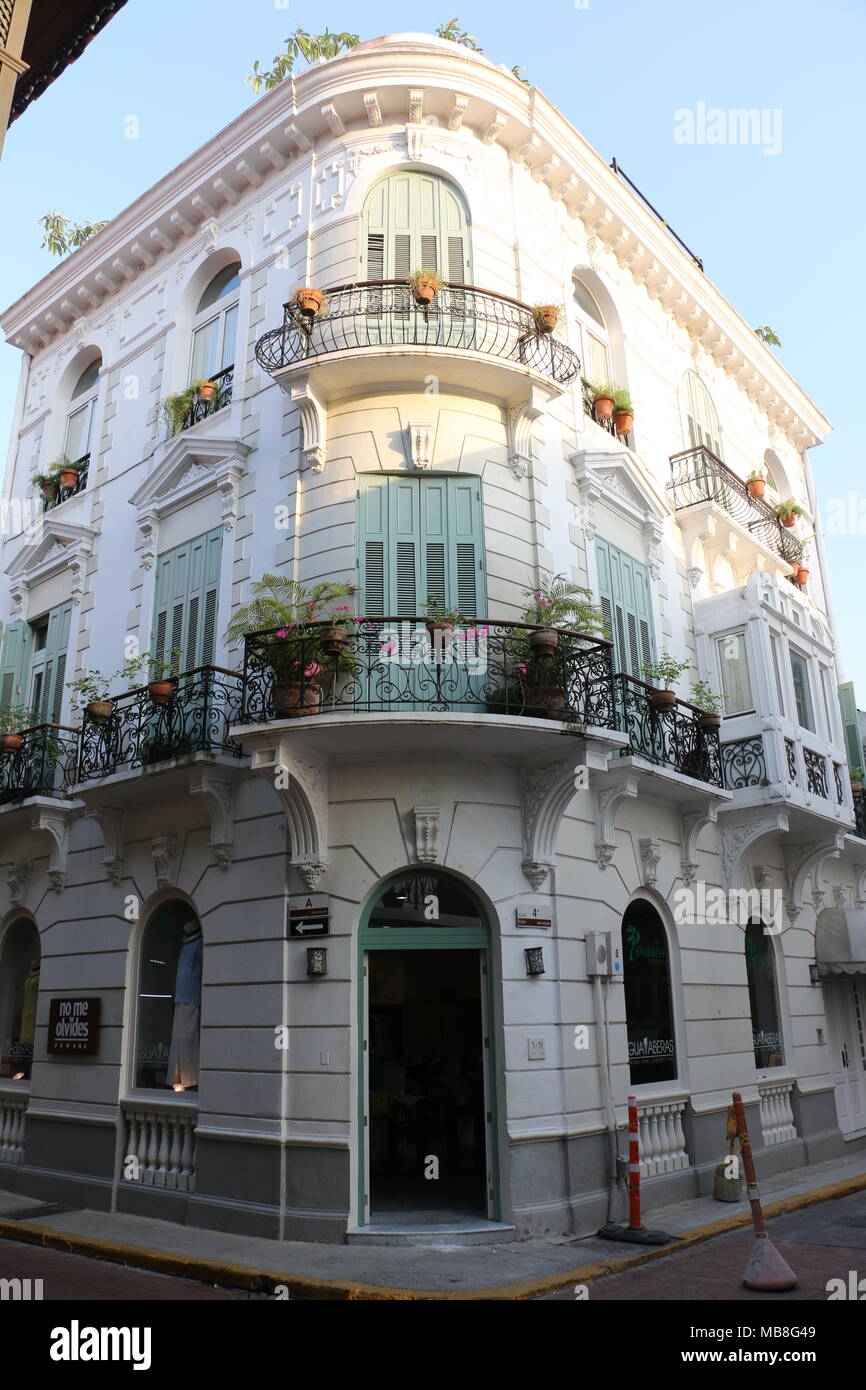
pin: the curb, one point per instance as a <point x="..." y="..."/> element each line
<point x="238" y="1276"/>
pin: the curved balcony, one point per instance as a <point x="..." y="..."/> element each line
<point x="698" y="477"/>
<point x="372" y="319"/>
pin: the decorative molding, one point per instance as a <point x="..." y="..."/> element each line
<point x="521" y="419"/>
<point x="535" y="872"/>
<point x="692" y="823"/>
<point x="616" y="787"/>
<point x="650" y="858"/>
<point x="458" y="111"/>
<point x="546" y="792"/>
<point x="426" y="819"/>
<point x="416" y="105"/>
<point x="301" y="785"/>
<point x="334" y="119"/>
<point x="216" y="786"/>
<point x="860" y="889"/>
<point x="18" y="882"/>
<point x="110" y="821"/>
<point x="801" y="861"/>
<point x="191" y="468"/>
<point x="311" y="872"/>
<point x="840" y="896"/>
<point x="314" y="423"/>
<point x="63" y="548"/>
<point x="738" y="839"/>
<point x="164" y="852"/>
<point x="420" y="444"/>
<point x="372" y="108"/>
<point x="494" y="127"/>
<point x="55" y="822"/>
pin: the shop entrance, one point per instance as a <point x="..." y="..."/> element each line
<point x="845" y="1002"/>
<point x="427" y="1105"/>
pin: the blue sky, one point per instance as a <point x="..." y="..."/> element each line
<point x="781" y="235"/>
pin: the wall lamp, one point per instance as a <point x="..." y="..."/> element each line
<point x="534" y="960"/>
<point x="317" y="960"/>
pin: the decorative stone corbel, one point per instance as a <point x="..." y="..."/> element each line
<point x="302" y="787"/>
<point x="653" y="536"/>
<point x="840" y="896"/>
<point x="426" y="820"/>
<point x="148" y="529"/>
<point x="738" y="839"/>
<point x="216" y="785"/>
<point x="521" y="419"/>
<point x="650" y="858"/>
<point x="164" y="851"/>
<point x="535" y="872"/>
<point x="55" y="822"/>
<point x="491" y="131"/>
<point x="801" y="861"/>
<point x="311" y="873"/>
<point x="18" y="881"/>
<point x="18" y="597"/>
<point x="110" y="820"/>
<point x="420" y="444"/>
<point x="608" y="795"/>
<point x="860" y="889"/>
<point x="691" y="824"/>
<point x="313" y="422"/>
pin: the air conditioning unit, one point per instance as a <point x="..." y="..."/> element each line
<point x="598" y="953"/>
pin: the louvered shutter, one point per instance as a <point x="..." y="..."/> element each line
<point x="625" y="603"/>
<point x="405" y="594"/>
<point x="853" y="741"/>
<point x="434" y="540"/>
<point x="466" y="539"/>
<point x="415" y="221"/>
<point x="703" y="420"/>
<point x="372" y="544"/>
<point x="48" y="667"/>
<point x="185" y="602"/>
<point x="12" y="664"/>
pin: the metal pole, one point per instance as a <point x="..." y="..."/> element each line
<point x="634" y="1221"/>
<point x="749" y="1166"/>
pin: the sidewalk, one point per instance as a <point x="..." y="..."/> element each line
<point x="523" y="1269"/>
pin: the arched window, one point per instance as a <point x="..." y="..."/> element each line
<point x="19" y="991"/>
<point x="652" y="1053"/>
<point x="169" y="1000"/>
<point x="594" y="351"/>
<point x="215" y="325"/>
<point x="82" y="409"/>
<point x="702" y="418"/>
<point x="763" y="999"/>
<point x="413" y="220"/>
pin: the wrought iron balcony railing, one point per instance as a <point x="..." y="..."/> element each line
<point x="44" y="764"/>
<point x="199" y="410"/>
<point x="698" y="476"/>
<point x="197" y="717"/>
<point x="391" y="664"/>
<point x="374" y="314"/>
<point x="64" y="493"/>
<point x="745" y="763"/>
<point x="860" y="813"/>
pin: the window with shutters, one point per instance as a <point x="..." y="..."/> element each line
<point x="702" y="420"/>
<point x="624" y="597"/>
<point x="185" y="603"/>
<point x="594" y="350"/>
<point x="413" y="220"/>
<point x="733" y="655"/>
<point x="49" y="642"/>
<point x="215" y="326"/>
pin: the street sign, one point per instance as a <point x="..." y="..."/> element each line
<point x="309" y="915"/>
<point x="530" y="915"/>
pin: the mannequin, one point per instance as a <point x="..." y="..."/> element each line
<point x="28" y="1009"/>
<point x="184" y="1051"/>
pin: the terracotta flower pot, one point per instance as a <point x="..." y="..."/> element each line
<point x="290" y="700"/>
<point x="49" y="490"/>
<point x="68" y="477"/>
<point x="544" y="642"/>
<point x="709" y="721"/>
<point x="802" y="574"/>
<point x="788" y="519"/>
<point x="160" y="692"/>
<point x="544" y="701"/>
<point x="856" y="785"/>
<point x="99" y="711"/>
<point x="756" y="487"/>
<point x="206" y="391"/>
<point x="424" y="289"/>
<point x="334" y="640"/>
<point x="662" y="699"/>
<point x="623" y="420"/>
<point x="309" y="301"/>
<point x="446" y="629"/>
<point x="546" y="318"/>
<point x="10" y="743"/>
<point x="603" y="407"/>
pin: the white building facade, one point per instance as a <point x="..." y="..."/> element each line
<point x="452" y="1044"/>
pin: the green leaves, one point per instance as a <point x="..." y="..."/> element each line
<point x="62" y="235"/>
<point x="300" y="44"/>
<point x="766" y="335"/>
<point x="451" y="30"/>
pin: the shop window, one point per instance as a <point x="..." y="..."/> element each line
<point x="169" y="1000"/>
<point x="19" y="991"/>
<point x="763" y="1000"/>
<point x="652" y="1052"/>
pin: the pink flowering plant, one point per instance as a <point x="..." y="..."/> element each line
<point x="289" y="620"/>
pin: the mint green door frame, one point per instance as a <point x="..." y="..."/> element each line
<point x="425" y="939"/>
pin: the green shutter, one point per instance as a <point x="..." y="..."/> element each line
<point x="48" y="667"/>
<point x="413" y="221"/>
<point x="12" y="664"/>
<point x="185" y="601"/>
<point x="703" y="420"/>
<point x="624" y="596"/>
<point x="373" y="547"/>
<point x="851" y="724"/>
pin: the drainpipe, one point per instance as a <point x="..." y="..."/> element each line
<point x="600" y="1002"/>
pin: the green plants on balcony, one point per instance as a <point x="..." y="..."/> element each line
<point x="665" y="670"/>
<point x="424" y="284"/>
<point x="801" y="573"/>
<point x="788" y="511"/>
<point x="545" y="317"/>
<point x="161" y="673"/>
<point x="48" y="483"/>
<point x="90" y="693"/>
<point x="310" y="302"/>
<point x="335" y="637"/>
<point x="603" y="399"/>
<point x="13" y="721"/>
<point x="623" y="411"/>
<point x="711" y="705"/>
<point x="756" y="483"/>
<point x="856" y="775"/>
<point x="176" y="407"/>
<point x="441" y="618"/>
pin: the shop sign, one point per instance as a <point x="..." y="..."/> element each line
<point x="309" y="915"/>
<point x="73" y="1026"/>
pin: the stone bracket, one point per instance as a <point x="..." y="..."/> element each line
<point x="801" y="861"/>
<point x="739" y="839"/>
<point x="302" y="787"/>
<point x="545" y="794"/>
<point x="18" y="882"/>
<point x="608" y="794"/>
<point x="110" y="820"/>
<point x="426" y="819"/>
<point x="692" y="823"/>
<point x="521" y="419"/>
<point x="164" y="852"/>
<point x="55" y="822"/>
<point x="650" y="858"/>
<point x="314" y="424"/>
<point x="216" y="785"/>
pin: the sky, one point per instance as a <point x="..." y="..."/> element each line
<point x="778" y="223"/>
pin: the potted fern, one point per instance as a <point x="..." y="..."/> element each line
<point x="623" y="411"/>
<point x="665" y="670"/>
<point x="604" y="400"/>
<point x="788" y="511"/>
<point x="90" y="693"/>
<point x="856" y="775"/>
<point x="48" y="484"/>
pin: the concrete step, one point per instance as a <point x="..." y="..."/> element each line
<point x="466" y="1231"/>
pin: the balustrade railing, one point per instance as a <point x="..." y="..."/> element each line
<point x="697" y="475"/>
<point x="161" y="1145"/>
<point x="383" y="313"/>
<point x="199" y="410"/>
<point x="777" y="1116"/>
<point x="64" y="493"/>
<point x="13" y="1118"/>
<point x="662" y="1139"/>
<point x="42" y="765"/>
<point x="196" y="718"/>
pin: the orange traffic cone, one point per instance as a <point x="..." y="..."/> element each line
<point x="766" y="1270"/>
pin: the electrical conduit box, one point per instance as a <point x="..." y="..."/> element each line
<point x="598" y="956"/>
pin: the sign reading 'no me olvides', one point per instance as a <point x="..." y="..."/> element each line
<point x="73" y="1025"/>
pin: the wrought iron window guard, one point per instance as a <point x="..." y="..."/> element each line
<point x="64" y="493"/>
<point x="199" y="410"/>
<point x="608" y="425"/>
<point x="373" y="314"/>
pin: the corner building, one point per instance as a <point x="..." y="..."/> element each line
<point x="516" y="904"/>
